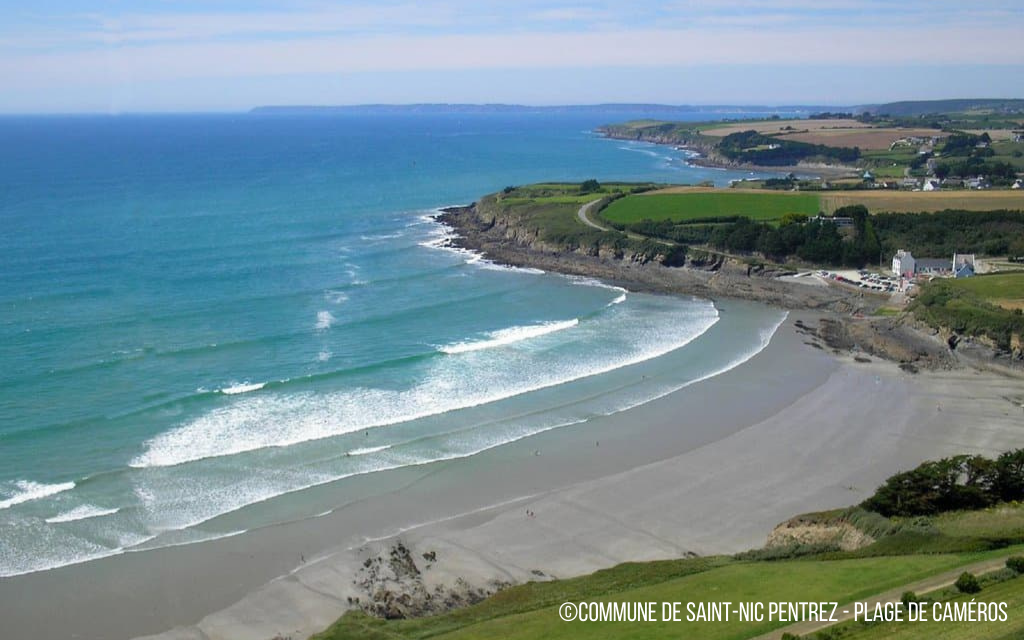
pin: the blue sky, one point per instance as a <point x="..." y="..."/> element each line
<point x="181" y="55"/>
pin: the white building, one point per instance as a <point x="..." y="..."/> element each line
<point x="903" y="264"/>
<point x="931" y="185"/>
<point x="961" y="260"/>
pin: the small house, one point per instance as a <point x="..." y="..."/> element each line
<point x="903" y="264"/>
<point x="931" y="185"/>
<point x="933" y="266"/>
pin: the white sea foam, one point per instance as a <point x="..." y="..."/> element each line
<point x="503" y="337"/>
<point x="441" y="237"/>
<point x="162" y="494"/>
<point x="335" y="297"/>
<point x="324" y="320"/>
<point x="323" y="356"/>
<point x="380" y="236"/>
<point x="494" y="266"/>
<point x="82" y="512"/>
<point x="449" y="384"/>
<point x="367" y="450"/>
<point x="242" y="387"/>
<point x="584" y="281"/>
<point x="27" y="490"/>
<point x="619" y="300"/>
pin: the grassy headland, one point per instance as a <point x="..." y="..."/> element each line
<point x="963" y="143"/>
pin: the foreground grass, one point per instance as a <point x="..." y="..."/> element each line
<point x="1010" y="591"/>
<point x="530" y="611"/>
<point x="682" y="207"/>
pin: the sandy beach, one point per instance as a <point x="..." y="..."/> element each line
<point x="708" y="469"/>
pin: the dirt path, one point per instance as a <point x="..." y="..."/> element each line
<point x="582" y="213"/>
<point x="584" y="217"/>
<point x="921" y="587"/>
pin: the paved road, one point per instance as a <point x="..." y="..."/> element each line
<point x="921" y="587"/>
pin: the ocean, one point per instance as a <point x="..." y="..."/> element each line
<point x="203" y="315"/>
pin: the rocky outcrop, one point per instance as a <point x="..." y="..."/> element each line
<point x="801" y="532"/>
<point x="501" y="239"/>
<point x="395" y="586"/>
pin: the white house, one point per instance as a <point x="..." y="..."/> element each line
<point x="962" y="260"/>
<point x="1018" y="184"/>
<point x="931" y="185"/>
<point x="903" y="264"/>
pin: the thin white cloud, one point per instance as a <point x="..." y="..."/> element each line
<point x="641" y="48"/>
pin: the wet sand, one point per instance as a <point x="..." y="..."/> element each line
<point x="711" y="468"/>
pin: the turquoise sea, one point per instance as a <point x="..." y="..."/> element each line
<point x="200" y="315"/>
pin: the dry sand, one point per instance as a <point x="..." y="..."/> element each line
<point x="709" y="469"/>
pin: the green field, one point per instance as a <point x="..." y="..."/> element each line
<point x="1002" y="289"/>
<point x="681" y="207"/>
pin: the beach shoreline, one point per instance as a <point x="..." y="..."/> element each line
<point x="814" y="431"/>
<point x="694" y="472"/>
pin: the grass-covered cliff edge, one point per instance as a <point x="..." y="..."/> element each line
<point x="737" y="243"/>
<point x="542" y="226"/>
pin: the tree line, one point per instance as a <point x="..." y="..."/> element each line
<point x="951" y="484"/>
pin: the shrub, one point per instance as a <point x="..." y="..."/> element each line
<point x="908" y="598"/>
<point x="1016" y="563"/>
<point x="967" y="583"/>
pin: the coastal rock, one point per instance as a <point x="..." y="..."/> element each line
<point x="704" y="274"/>
<point x="394" y="586"/>
<point x="805" y="532"/>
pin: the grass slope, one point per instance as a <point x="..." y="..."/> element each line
<point x="1011" y="592"/>
<point x="1002" y="289"/>
<point x="530" y="611"/>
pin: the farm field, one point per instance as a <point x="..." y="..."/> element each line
<point x="771" y="127"/>
<point x="924" y="201"/>
<point x="834" y="133"/>
<point x="692" y="204"/>
<point x="867" y="139"/>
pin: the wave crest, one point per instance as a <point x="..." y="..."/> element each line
<point x="511" y="335"/>
<point x="27" y="490"/>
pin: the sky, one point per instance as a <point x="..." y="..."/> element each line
<point x="116" y="56"/>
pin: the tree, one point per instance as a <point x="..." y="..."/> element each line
<point x="967" y="583"/>
<point x="1008" y="483"/>
<point x="590" y="186"/>
<point x="1015" y="564"/>
<point x="792" y="218"/>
